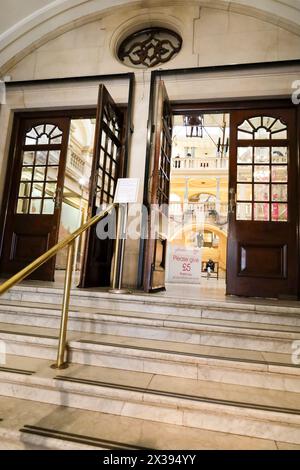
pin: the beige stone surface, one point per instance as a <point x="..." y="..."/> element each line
<point x="211" y="36"/>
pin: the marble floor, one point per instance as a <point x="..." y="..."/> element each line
<point x="144" y="432"/>
<point x="130" y="431"/>
<point x="211" y="289"/>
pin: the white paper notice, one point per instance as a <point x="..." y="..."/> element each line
<point x="127" y="190"/>
<point x="184" y="265"/>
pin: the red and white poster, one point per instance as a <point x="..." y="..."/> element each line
<point x="184" y="265"/>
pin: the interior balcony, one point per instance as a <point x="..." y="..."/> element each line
<point x="215" y="166"/>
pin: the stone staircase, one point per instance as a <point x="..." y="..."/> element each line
<point x="143" y="368"/>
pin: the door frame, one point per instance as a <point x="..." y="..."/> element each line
<point x="187" y="107"/>
<point x="72" y="114"/>
<point x="210" y="69"/>
<point x="15" y="115"/>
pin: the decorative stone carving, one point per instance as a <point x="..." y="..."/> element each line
<point x="149" y="47"/>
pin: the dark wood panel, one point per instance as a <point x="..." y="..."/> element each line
<point x="263" y="261"/>
<point x="27" y="247"/>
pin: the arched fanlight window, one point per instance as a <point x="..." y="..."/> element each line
<point x="262" y="127"/>
<point x="44" y="134"/>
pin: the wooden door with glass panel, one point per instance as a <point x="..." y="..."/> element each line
<point x="262" y="242"/>
<point x="159" y="189"/>
<point x="108" y="165"/>
<point x="35" y="198"/>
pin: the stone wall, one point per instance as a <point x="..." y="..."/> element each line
<point x="210" y="37"/>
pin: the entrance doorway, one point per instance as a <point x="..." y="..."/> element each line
<point x="254" y="234"/>
<point x="198" y="209"/>
<point x="66" y="165"/>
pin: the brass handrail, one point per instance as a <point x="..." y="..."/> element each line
<point x="25" y="272"/>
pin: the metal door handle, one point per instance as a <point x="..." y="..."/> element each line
<point x="232" y="200"/>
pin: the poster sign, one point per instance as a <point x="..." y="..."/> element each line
<point x="127" y="190"/>
<point x="184" y="265"/>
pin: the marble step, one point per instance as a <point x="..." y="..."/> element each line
<point x="263" y="414"/>
<point x="236" y="309"/>
<point x="224" y="365"/>
<point x="223" y="333"/>
<point x="111" y="430"/>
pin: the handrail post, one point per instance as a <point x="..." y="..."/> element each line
<point x="122" y="218"/>
<point x="60" y="362"/>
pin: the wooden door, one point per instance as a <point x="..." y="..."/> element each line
<point x="108" y="165"/>
<point x="158" y="192"/>
<point x="35" y="198"/>
<point x="262" y="243"/>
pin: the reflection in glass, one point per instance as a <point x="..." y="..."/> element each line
<point x="41" y="158"/>
<point x="100" y="179"/>
<point x="278" y="127"/>
<point x="256" y="122"/>
<point x="31" y="139"/>
<point x="244" y="173"/>
<point x="279" y="174"/>
<point x="279" y="155"/>
<point x="26" y="173"/>
<point x="262" y="173"/>
<point x="261" y="211"/>
<point x="48" y="207"/>
<point x="50" y="189"/>
<point x="37" y="191"/>
<point x="24" y="189"/>
<point x="107" y="165"/>
<point x="23" y="206"/>
<point x="246" y="126"/>
<point x="43" y="140"/>
<point x="279" y="192"/>
<point x="243" y="211"/>
<point x="279" y="212"/>
<point x="103" y="140"/>
<point x="39" y="173"/>
<point x="56" y="140"/>
<point x="98" y="198"/>
<point x="268" y="122"/>
<point x="244" y="135"/>
<point x="262" y="133"/>
<point x="280" y="135"/>
<point x="244" y="192"/>
<point x="101" y="159"/>
<point x="28" y="158"/>
<point x="244" y="154"/>
<point x="261" y="192"/>
<point x="52" y="173"/>
<point x="261" y="154"/>
<point x="106" y="183"/>
<point x="40" y="129"/>
<point x="54" y="156"/>
<point x="35" y="206"/>
<point x="110" y="147"/>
